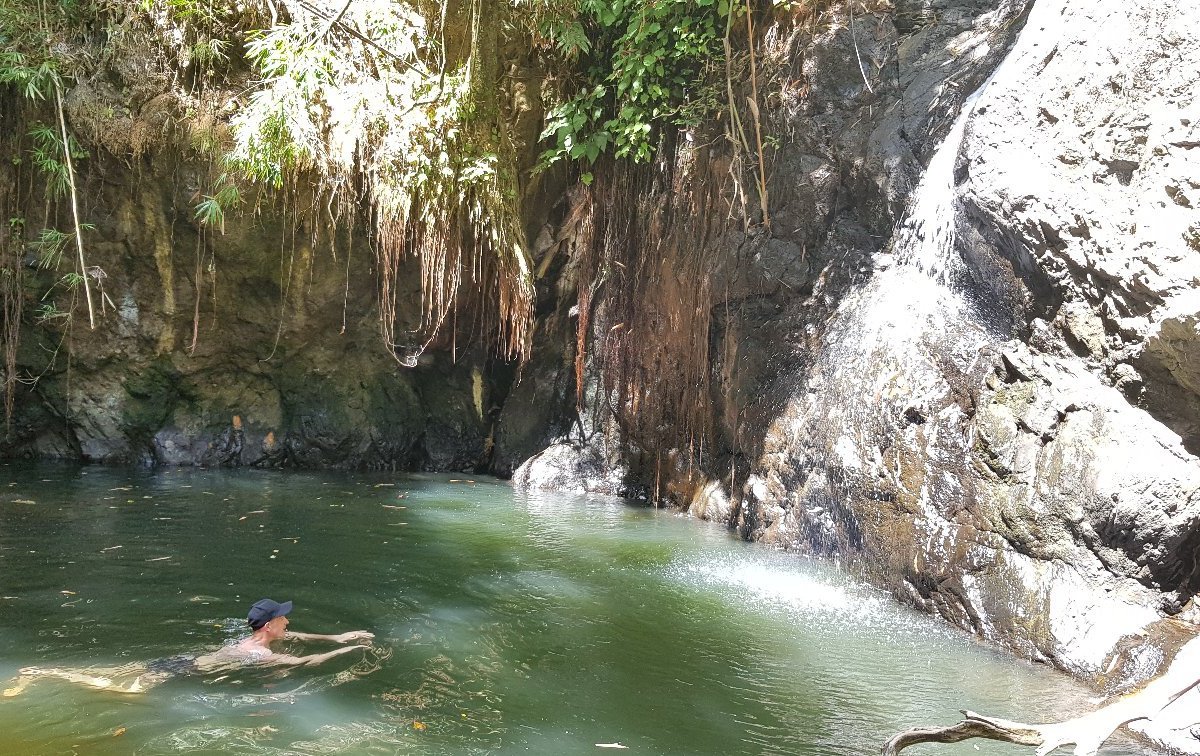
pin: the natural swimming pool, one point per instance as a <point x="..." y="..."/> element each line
<point x="505" y="623"/>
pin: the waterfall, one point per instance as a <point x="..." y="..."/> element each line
<point x="890" y="356"/>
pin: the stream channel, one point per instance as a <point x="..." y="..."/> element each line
<point x="505" y="623"/>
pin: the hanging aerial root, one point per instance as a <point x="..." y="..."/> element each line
<point x="1087" y="733"/>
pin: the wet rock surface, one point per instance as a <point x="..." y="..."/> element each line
<point x="1010" y="467"/>
<point x="1026" y="465"/>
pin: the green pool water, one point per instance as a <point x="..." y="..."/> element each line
<point x="506" y="623"/>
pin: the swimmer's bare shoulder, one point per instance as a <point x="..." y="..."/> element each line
<point x="235" y="655"/>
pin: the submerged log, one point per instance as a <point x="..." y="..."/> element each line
<point x="1087" y="733"/>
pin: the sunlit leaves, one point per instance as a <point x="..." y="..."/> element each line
<point x="47" y="154"/>
<point x="210" y="211"/>
<point x="33" y="81"/>
<point x="645" y="58"/>
<point x="49" y="248"/>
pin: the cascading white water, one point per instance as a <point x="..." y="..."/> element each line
<point x="884" y="362"/>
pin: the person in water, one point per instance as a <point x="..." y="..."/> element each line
<point x="268" y="622"/>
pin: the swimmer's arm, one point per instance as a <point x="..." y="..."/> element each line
<point x="340" y="638"/>
<point x="306" y="661"/>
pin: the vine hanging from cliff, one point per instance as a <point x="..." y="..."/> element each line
<point x="388" y="107"/>
<point x="367" y="101"/>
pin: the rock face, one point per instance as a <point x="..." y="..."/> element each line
<point x="984" y="393"/>
<point x="1074" y="171"/>
<point x="997" y="451"/>
<point x="963" y="356"/>
<point x="1083" y="191"/>
<point x="243" y="348"/>
<point x="1009" y="465"/>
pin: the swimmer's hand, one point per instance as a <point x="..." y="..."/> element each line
<point x="355" y="635"/>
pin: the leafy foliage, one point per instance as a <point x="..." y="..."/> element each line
<point x="641" y="69"/>
<point x="210" y="211"/>
<point x="49" y="156"/>
<point x="33" y="80"/>
<point x="373" y="119"/>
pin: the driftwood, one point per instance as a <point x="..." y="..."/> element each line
<point x="1087" y="733"/>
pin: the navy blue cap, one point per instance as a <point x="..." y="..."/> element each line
<point x="266" y="610"/>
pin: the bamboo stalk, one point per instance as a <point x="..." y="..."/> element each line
<point x="62" y="123"/>
<point x="762" y="168"/>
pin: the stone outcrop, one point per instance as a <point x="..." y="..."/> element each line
<point x="1084" y="194"/>
<point x="1006" y="437"/>
<point x="245" y="348"/>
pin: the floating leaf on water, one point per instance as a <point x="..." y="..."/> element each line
<point x="118" y="732"/>
<point x="419" y="726"/>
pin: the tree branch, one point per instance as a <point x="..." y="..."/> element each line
<point x="1087" y="732"/>
<point x="336" y="21"/>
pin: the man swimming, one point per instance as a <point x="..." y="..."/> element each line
<point x="268" y="621"/>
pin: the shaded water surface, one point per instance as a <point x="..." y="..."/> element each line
<point x="505" y="624"/>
